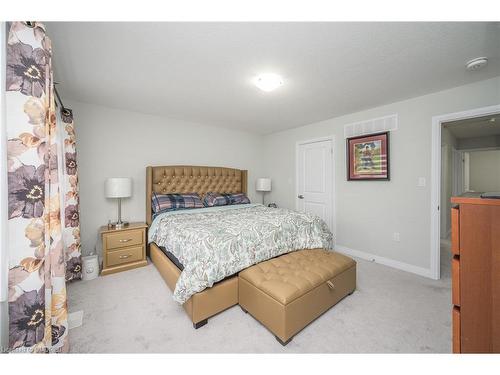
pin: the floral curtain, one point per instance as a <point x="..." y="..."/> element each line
<point x="68" y="178"/>
<point x="43" y="225"/>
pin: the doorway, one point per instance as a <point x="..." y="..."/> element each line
<point x="315" y="179"/>
<point x="455" y="137"/>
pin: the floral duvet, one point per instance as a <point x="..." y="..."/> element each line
<point x="217" y="242"/>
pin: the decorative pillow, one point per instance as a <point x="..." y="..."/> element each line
<point x="239" y="198"/>
<point x="217" y="199"/>
<point x="171" y="202"/>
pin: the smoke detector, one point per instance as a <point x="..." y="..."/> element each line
<point x="476" y="64"/>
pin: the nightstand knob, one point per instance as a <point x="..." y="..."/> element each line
<point x="127" y="240"/>
<point x="125" y="256"/>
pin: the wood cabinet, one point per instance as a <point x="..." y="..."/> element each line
<point x="123" y="249"/>
<point x="476" y="274"/>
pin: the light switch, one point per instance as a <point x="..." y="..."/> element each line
<point x="421" y="182"/>
<point x="396" y="237"/>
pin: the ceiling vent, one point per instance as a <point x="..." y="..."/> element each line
<point x="376" y="125"/>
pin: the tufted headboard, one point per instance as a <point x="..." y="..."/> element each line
<point x="192" y="179"/>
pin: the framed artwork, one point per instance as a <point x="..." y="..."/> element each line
<point x="368" y="157"/>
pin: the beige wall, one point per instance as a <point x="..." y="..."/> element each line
<point x="369" y="212"/>
<point x="116" y="143"/>
<point x="485" y="170"/>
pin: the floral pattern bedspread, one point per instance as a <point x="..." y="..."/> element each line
<point x="212" y="245"/>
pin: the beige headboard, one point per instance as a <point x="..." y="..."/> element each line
<point x="171" y="179"/>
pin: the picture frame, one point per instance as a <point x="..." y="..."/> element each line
<point x="368" y="157"/>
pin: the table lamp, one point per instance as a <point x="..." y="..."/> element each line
<point x="118" y="187"/>
<point x="263" y="185"/>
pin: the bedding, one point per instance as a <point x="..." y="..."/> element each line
<point x="217" y="199"/>
<point x="213" y="243"/>
<point x="168" y="202"/>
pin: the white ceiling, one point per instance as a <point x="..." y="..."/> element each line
<point x="475" y="127"/>
<point x="202" y="72"/>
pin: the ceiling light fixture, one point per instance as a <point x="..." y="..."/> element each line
<point x="268" y="81"/>
<point x="476" y="64"/>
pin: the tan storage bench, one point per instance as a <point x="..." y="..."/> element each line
<point x="287" y="293"/>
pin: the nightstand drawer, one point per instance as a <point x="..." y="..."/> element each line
<point x="127" y="255"/>
<point x="123" y="239"/>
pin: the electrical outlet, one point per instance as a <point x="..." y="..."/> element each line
<point x="396" y="237"/>
<point x="421" y="182"/>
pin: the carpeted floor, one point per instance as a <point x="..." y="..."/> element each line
<point x="391" y="311"/>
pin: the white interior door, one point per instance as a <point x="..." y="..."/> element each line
<point x="315" y="179"/>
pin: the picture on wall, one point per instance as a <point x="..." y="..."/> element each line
<point x="368" y="157"/>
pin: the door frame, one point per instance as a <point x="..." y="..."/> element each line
<point x="333" y="190"/>
<point x="437" y="121"/>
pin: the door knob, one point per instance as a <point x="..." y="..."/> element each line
<point x="300" y="196"/>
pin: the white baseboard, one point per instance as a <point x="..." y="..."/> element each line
<point x="426" y="272"/>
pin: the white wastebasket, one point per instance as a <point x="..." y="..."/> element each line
<point x="90" y="266"/>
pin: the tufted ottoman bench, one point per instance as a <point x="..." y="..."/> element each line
<point x="287" y="293"/>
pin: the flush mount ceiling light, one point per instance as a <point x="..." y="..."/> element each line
<point x="476" y="64"/>
<point x="268" y="81"/>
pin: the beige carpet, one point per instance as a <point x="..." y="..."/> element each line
<point x="391" y="311"/>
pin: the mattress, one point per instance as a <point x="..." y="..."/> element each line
<point x="172" y="257"/>
<point x="216" y="242"/>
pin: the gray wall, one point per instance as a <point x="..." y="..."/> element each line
<point x="485" y="170"/>
<point x="116" y="143"/>
<point x="448" y="143"/>
<point x="369" y="212"/>
<point x="119" y="143"/>
<point x="479" y="142"/>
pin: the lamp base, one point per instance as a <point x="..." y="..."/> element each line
<point x="118" y="225"/>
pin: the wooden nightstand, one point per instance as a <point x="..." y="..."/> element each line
<point x="123" y="249"/>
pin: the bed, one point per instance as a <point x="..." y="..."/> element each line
<point x="216" y="243"/>
<point x="198" y="179"/>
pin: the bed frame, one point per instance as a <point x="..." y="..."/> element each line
<point x="194" y="179"/>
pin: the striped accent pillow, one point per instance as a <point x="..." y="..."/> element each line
<point x="217" y="199"/>
<point x="171" y="202"/>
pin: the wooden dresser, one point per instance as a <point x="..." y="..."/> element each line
<point x="123" y="249"/>
<point x="475" y="237"/>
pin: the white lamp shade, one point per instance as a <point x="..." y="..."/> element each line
<point x="118" y="187"/>
<point x="263" y="184"/>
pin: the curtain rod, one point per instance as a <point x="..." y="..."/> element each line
<point x="63" y="108"/>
